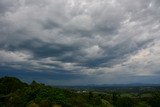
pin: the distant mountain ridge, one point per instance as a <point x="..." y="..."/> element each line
<point x="129" y="84"/>
<point x="112" y="85"/>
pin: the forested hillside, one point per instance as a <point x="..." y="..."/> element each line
<point x="14" y="93"/>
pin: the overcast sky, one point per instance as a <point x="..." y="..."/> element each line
<point x="78" y="42"/>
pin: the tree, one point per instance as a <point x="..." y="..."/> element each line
<point x="114" y="97"/>
<point x="90" y="95"/>
<point x="125" y="102"/>
<point x="142" y="104"/>
<point x="155" y="99"/>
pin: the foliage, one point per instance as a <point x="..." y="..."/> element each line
<point x="142" y="104"/>
<point x="155" y="99"/>
<point x="10" y="84"/>
<point x="125" y="102"/>
<point x="14" y="93"/>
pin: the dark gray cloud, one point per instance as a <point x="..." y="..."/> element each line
<point x="87" y="39"/>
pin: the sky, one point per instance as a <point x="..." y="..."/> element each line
<point x="80" y="42"/>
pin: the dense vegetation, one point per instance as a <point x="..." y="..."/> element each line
<point x="14" y="93"/>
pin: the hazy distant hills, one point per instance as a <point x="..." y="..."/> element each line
<point x="114" y="85"/>
<point x="123" y="85"/>
<point x="131" y="86"/>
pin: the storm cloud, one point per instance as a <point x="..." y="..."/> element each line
<point x="85" y="41"/>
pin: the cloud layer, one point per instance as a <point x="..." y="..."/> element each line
<point x="92" y="41"/>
